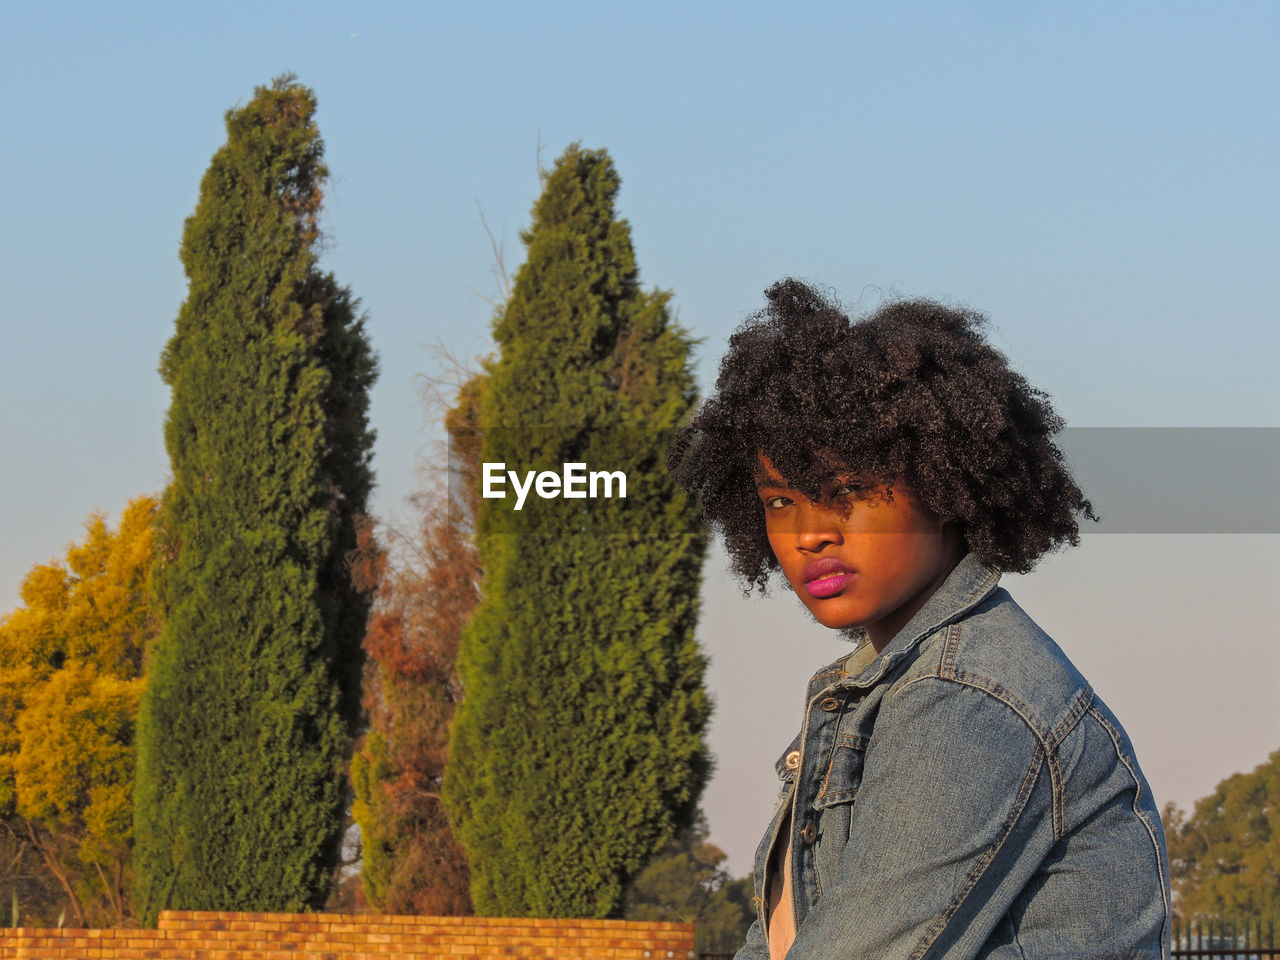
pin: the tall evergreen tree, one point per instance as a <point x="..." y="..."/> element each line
<point x="254" y="683"/>
<point x="578" y="749"/>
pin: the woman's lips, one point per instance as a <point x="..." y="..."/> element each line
<point x="825" y="578"/>
<point x="828" y="586"/>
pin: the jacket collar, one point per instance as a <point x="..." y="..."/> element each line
<point x="971" y="582"/>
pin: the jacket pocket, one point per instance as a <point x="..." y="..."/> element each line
<point x="833" y="808"/>
<point x="844" y="772"/>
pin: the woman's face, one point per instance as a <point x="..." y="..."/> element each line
<point x="856" y="557"/>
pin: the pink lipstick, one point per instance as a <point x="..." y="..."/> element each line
<point x="825" y="578"/>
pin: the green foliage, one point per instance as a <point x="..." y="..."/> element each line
<point x="686" y="883"/>
<point x="370" y="771"/>
<point x="1225" y="857"/>
<point x="578" y="750"/>
<point x="253" y="688"/>
<point x="70" y="665"/>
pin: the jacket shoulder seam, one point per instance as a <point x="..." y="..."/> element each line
<point x="1047" y="741"/>
<point x="1157" y="846"/>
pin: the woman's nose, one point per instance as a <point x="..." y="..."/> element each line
<point x="817" y="527"/>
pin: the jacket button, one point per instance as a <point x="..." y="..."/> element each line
<point x="830" y="704"/>
<point x="793" y="760"/>
<point x="810" y="832"/>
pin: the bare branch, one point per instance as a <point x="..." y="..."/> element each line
<point x="542" y="174"/>
<point x="439" y="391"/>
<point x="56" y="868"/>
<point x="498" y="268"/>
<point x="114" y="897"/>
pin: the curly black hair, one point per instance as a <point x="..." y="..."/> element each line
<point x="912" y="391"/>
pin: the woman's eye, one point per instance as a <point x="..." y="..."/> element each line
<point x="849" y="490"/>
<point x="776" y="503"/>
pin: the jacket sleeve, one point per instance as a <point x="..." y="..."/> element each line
<point x="951" y="820"/>
<point x="756" y="947"/>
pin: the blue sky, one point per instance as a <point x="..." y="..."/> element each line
<point x="1098" y="178"/>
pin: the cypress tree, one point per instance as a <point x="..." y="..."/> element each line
<point x="253" y="683"/>
<point x="578" y="750"/>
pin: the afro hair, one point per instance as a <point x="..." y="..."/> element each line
<point x="912" y="393"/>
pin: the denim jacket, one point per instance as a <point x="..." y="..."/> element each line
<point x="966" y="794"/>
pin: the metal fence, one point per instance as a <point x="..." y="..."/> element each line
<point x="1197" y="938"/>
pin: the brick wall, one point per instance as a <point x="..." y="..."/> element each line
<point x="198" y="935"/>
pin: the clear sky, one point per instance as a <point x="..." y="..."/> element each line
<point x="1099" y="178"/>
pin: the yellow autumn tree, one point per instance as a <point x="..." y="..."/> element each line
<point x="70" y="683"/>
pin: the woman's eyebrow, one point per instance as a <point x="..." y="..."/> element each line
<point x="764" y="482"/>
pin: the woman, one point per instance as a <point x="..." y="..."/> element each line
<point x="956" y="788"/>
